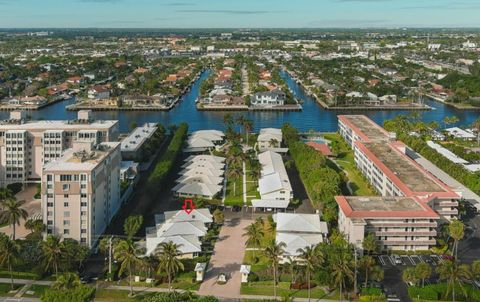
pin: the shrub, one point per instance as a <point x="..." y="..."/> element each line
<point x="15" y="187"/>
<point x="167" y="160"/>
<point x="371" y="291"/>
<point x="252" y="277"/>
<point x="81" y="294"/>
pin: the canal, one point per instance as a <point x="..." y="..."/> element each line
<point x="312" y="117"/>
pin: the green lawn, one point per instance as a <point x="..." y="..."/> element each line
<point x="345" y="159"/>
<point x="236" y="199"/>
<point x="5" y="289"/>
<point x="37" y="289"/>
<point x="265" y="288"/>
<point x="111" y="295"/>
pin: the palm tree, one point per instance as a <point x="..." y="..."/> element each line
<point x="127" y="253"/>
<point x="132" y="224"/>
<point x="409" y="275"/>
<point x="241" y="122"/>
<point x="369" y="243"/>
<point x="9" y="253"/>
<point x="273" y="252"/>
<point x="35" y="226"/>
<point x="255" y="169"/>
<point x="291" y="266"/>
<point x="168" y="262"/>
<point x="52" y="253"/>
<point x="273" y="142"/>
<point x="12" y="213"/>
<point x="67" y="281"/>
<point x="367" y="263"/>
<point x="218" y="216"/>
<point x="248" y="125"/>
<point x="234" y="172"/>
<point x="454" y="274"/>
<point x="254" y="233"/>
<point x="476" y="269"/>
<point x="423" y="271"/>
<point x="228" y="120"/>
<point x="456" y="230"/>
<point x="309" y="260"/>
<point x="341" y="270"/>
<point x="476" y="126"/>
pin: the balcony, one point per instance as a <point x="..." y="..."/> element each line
<point x="404" y="224"/>
<point x="408" y="242"/>
<point x="411" y="233"/>
<point x="448" y="212"/>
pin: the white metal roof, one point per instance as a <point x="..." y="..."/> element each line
<point x="270" y="203"/>
<point x="294" y="242"/>
<point x="305" y="223"/>
<point x="197" y="188"/>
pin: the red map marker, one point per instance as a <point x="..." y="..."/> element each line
<point x="188" y="206"/>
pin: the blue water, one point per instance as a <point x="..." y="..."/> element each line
<point x="312" y="117"/>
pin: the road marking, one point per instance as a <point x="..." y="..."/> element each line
<point x="381" y="260"/>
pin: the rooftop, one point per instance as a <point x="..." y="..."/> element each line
<point x="379" y="206"/>
<point x="404" y="169"/>
<point x="366" y="126"/>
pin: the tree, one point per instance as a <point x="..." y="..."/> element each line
<point x="309" y="260"/>
<point x="423" y="271"/>
<point x="168" y="262"/>
<point x="456" y="230"/>
<point x="476" y="269"/>
<point x="273" y="252"/>
<point x="248" y="125"/>
<point x="35" y="226"/>
<point x="12" y="213"/>
<point x="228" y="120"/>
<point x="254" y="233"/>
<point x="367" y="263"/>
<point x="9" y="253"/>
<point x="476" y="126"/>
<point x="52" y="253"/>
<point x="255" y="169"/>
<point x="341" y="269"/>
<point x="67" y="281"/>
<point x="409" y="275"/>
<point x="454" y="274"/>
<point x="291" y="266"/>
<point x="234" y="172"/>
<point x="132" y="225"/>
<point x="218" y="216"/>
<point x="369" y="243"/>
<point x="273" y="142"/>
<point x="127" y="253"/>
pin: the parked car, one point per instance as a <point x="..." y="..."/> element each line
<point x="397" y="260"/>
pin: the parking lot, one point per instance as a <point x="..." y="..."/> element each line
<point x="394" y="265"/>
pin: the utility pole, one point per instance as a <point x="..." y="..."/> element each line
<point x="110" y="258"/>
<point x="356" y="271"/>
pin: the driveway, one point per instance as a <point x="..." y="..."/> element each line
<point x="227" y="258"/>
<point x="33" y="208"/>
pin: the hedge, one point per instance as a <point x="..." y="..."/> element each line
<point x="83" y="293"/>
<point x="436" y="292"/>
<point x="167" y="160"/>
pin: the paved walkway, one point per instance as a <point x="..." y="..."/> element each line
<point x="33" y="208"/>
<point x="227" y="258"/>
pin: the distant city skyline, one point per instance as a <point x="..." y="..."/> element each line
<point x="238" y="14"/>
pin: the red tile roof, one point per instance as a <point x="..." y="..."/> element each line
<point x="322" y="148"/>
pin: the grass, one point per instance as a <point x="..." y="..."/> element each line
<point x="5" y="289"/>
<point x="265" y="288"/>
<point x="230" y="198"/>
<point x="345" y="159"/>
<point x="37" y="289"/>
<point x="112" y="295"/>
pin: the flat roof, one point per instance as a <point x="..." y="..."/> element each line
<point x="402" y="168"/>
<point x="363" y="124"/>
<point x="57" y="125"/>
<point x="380" y="206"/>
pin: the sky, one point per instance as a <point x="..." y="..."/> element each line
<point x="238" y="14"/>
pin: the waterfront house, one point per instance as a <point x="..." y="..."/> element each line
<point x="269" y="138"/>
<point x="99" y="92"/>
<point x="272" y="98"/>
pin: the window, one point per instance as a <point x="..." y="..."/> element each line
<point x="66" y="222"/>
<point x="65" y="204"/>
<point x="49" y="213"/>
<point x="83" y="240"/>
<point x="49" y="204"/>
<point x="83" y="213"/>
<point x="83" y="204"/>
<point x="66" y="187"/>
<point x="83" y="177"/>
<point x="49" y="195"/>
<point x="49" y="222"/>
<point x="83" y="195"/>
<point x="66" y="214"/>
<point x="83" y="231"/>
<point x="66" y="231"/>
<point x="65" y="195"/>
<point x="65" y="177"/>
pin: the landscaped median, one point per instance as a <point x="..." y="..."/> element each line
<point x="164" y="165"/>
<point x="438" y="292"/>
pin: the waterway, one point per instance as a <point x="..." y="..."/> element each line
<point x="311" y="117"/>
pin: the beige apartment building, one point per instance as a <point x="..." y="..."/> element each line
<point x="26" y="146"/>
<point x="413" y="202"/>
<point x="81" y="191"/>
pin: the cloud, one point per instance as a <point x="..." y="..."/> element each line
<point x="226" y="11"/>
